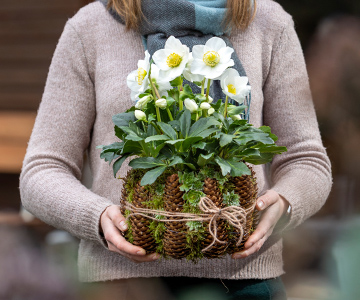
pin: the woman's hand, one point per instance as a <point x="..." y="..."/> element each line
<point x="274" y="206"/>
<point x="112" y="223"/>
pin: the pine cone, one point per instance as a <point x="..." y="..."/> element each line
<point x="246" y="188"/>
<point x="140" y="225"/>
<point x="212" y="191"/>
<point x="175" y="234"/>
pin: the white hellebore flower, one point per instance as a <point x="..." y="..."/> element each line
<point x="161" y="83"/>
<point x="234" y="85"/>
<point x="162" y="103"/>
<point x="211" y="110"/>
<point x="205" y="105"/>
<point x="140" y="115"/>
<point x="210" y="99"/>
<point x="190" y="105"/>
<point x="236" y="117"/>
<point x="211" y="59"/>
<point x="187" y="72"/>
<point x="138" y="80"/>
<point x="141" y="103"/>
<point x="172" y="59"/>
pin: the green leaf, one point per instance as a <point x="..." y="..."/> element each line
<point x="151" y="176"/>
<point x="235" y="110"/>
<point x="170" y="101"/>
<point x="272" y="149"/>
<point x="146" y="163"/>
<point x="189" y="141"/>
<point x="267" y="130"/>
<point x="171" y="142"/>
<point x="204" y="159"/>
<point x="253" y="135"/>
<point x="176" y="82"/>
<point x="109" y="156"/>
<point x="123" y="119"/>
<point x="176" y="160"/>
<point x="161" y="137"/>
<point x="117" y="164"/>
<point x="114" y="147"/>
<point x="168" y="130"/>
<point x="199" y="145"/>
<point x="132" y="147"/>
<point x="131" y="134"/>
<point x="208" y="132"/>
<point x="238" y="168"/>
<point x="187" y="89"/>
<point x="175" y="124"/>
<point x="185" y="122"/>
<point x="201" y="125"/>
<point x="223" y="164"/>
<point x="226" y="139"/>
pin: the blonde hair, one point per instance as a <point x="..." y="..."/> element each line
<point x="239" y="14"/>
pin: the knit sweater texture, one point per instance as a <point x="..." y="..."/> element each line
<point x="86" y="86"/>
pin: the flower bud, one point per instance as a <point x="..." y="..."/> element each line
<point x="190" y="105"/>
<point x="211" y="111"/>
<point x="236" y="117"/>
<point x="205" y="105"/>
<point x="141" y="103"/>
<point x="211" y="100"/>
<point x="140" y="115"/>
<point x="162" y="103"/>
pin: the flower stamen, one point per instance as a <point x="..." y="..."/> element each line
<point x="141" y="73"/>
<point x="231" y="89"/>
<point x="211" y="58"/>
<point x="173" y="60"/>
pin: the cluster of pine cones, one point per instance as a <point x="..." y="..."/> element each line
<point x="175" y="236"/>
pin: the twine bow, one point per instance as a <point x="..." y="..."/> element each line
<point x="234" y="215"/>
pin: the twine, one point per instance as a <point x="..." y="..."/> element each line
<point x="234" y="215"/>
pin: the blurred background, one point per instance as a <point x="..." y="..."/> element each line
<point x="321" y="256"/>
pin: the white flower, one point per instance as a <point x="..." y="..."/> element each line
<point x="161" y="83"/>
<point x="188" y="75"/>
<point x="162" y="103"/>
<point x="172" y="59"/>
<point x="140" y="115"/>
<point x="236" y="117"/>
<point x="210" y="99"/>
<point x="205" y="105"/>
<point x="141" y="103"/>
<point x="211" y="110"/>
<point x="235" y="86"/>
<point x="190" y="104"/>
<point x="138" y="80"/>
<point x="211" y="59"/>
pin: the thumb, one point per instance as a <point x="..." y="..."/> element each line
<point x="269" y="198"/>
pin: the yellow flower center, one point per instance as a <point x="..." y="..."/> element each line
<point x="141" y="73"/>
<point x="211" y="58"/>
<point x="231" y="89"/>
<point x="173" y="60"/>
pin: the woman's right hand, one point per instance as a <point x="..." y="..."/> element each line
<point x="112" y="223"/>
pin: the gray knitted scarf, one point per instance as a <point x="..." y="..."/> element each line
<point x="192" y="22"/>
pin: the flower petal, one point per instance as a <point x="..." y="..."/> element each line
<point x="198" y="52"/>
<point x="160" y="57"/>
<point x="215" y="43"/>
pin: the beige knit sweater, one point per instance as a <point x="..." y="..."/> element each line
<point x="86" y="86"/>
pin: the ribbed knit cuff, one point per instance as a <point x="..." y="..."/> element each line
<point x="305" y="190"/>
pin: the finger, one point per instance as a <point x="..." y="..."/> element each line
<point x="113" y="235"/>
<point x="255" y="248"/>
<point x="269" y="198"/>
<point x="118" y="219"/>
<point x="135" y="258"/>
<point x="265" y="226"/>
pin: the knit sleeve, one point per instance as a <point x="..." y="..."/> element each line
<point x="50" y="184"/>
<point x="302" y="175"/>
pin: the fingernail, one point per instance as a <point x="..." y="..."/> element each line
<point x="123" y="225"/>
<point x="155" y="256"/>
<point x="141" y="252"/>
<point x="239" y="255"/>
<point x="261" y="204"/>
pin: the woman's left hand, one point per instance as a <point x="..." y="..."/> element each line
<point x="273" y="206"/>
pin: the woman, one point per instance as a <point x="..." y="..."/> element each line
<point x="86" y="85"/>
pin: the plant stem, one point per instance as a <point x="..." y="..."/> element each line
<point x="156" y="128"/>
<point x="202" y="86"/>
<point x="197" y="115"/>
<point x="169" y="113"/>
<point x="208" y="90"/>
<point x="158" y="113"/>
<point x="226" y="105"/>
